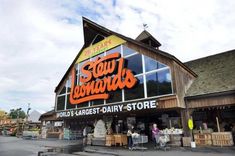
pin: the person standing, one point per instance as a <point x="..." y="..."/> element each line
<point x="84" y="136"/>
<point x="155" y="134"/>
<point x="129" y="136"/>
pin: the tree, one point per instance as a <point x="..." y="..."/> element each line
<point x="14" y="113"/>
<point x="3" y="114"/>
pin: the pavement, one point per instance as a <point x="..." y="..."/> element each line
<point x="12" y="146"/>
<point x="176" y="151"/>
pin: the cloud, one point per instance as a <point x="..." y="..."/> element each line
<point x="40" y="39"/>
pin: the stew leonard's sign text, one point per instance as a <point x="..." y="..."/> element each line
<point x="100" y="77"/>
<point x="115" y="108"/>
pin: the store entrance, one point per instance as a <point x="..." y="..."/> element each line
<point x="143" y="122"/>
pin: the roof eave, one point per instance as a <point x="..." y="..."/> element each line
<point x="227" y="92"/>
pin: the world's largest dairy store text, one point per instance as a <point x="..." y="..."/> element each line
<point x="109" y="109"/>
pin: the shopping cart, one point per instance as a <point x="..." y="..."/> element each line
<point x="138" y="141"/>
<point x="162" y="140"/>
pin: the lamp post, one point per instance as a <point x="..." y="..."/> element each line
<point x="27" y="115"/>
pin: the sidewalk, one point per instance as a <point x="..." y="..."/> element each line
<point x="177" y="151"/>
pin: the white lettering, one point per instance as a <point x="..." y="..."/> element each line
<point x="139" y="105"/>
<point x="129" y="108"/>
<point x="153" y="104"/>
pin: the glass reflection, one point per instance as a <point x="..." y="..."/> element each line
<point x="151" y="64"/>
<point x="115" y="96"/>
<point x="137" y="91"/>
<point x="69" y="105"/>
<point x="114" y="50"/>
<point x="127" y="51"/>
<point x="60" y="102"/>
<point x="158" y="83"/>
<point x="134" y="63"/>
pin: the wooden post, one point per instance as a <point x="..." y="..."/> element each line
<point x="217" y="121"/>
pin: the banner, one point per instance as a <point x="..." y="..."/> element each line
<point x="104" y="45"/>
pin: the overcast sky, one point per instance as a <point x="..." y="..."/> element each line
<point x="40" y="38"/>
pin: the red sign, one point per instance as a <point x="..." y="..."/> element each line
<point x="98" y="79"/>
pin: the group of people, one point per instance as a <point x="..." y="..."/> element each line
<point x="131" y="133"/>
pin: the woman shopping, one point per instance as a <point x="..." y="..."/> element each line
<point x="155" y="134"/>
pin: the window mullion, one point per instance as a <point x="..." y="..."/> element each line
<point x="144" y="77"/>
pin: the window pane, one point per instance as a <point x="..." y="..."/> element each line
<point x="77" y="68"/>
<point x="164" y="80"/>
<point x="68" y="84"/>
<point x="137" y="91"/>
<point x="151" y="64"/>
<point x="63" y="90"/>
<point x="158" y="83"/>
<point x="84" y="104"/>
<point x="115" y="96"/>
<point x="114" y="50"/>
<point x="97" y="102"/>
<point x="60" y="102"/>
<point x="95" y="57"/>
<point x="134" y="63"/>
<point x="127" y="51"/>
<point x="69" y="105"/>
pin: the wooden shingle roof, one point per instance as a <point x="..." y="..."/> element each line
<point x="216" y="74"/>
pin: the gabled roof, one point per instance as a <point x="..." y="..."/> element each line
<point x="147" y="38"/>
<point x="91" y="29"/>
<point x="215" y="74"/>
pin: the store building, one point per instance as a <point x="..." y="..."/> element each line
<point x="126" y="82"/>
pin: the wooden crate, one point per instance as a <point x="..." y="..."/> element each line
<point x="120" y="139"/>
<point x="187" y="141"/>
<point x="109" y="140"/>
<point x="222" y="139"/>
<point x="203" y="139"/>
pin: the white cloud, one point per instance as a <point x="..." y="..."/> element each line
<point x="39" y="39"/>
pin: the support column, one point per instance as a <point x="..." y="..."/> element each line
<point x="185" y="115"/>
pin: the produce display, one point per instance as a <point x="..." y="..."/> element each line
<point x="176" y="131"/>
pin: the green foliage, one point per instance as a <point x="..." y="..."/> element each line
<point x="14" y="113"/>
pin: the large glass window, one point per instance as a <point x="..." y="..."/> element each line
<point x="134" y="63"/>
<point x="63" y="90"/>
<point x="97" y="102"/>
<point x="158" y="83"/>
<point x="127" y="51"/>
<point x="164" y="80"/>
<point x="114" y="50"/>
<point x="95" y="57"/>
<point x="115" y="96"/>
<point x="84" y="104"/>
<point x="60" y="102"/>
<point x="151" y="64"/>
<point x="69" y="105"/>
<point x="155" y="80"/>
<point x="68" y="84"/>
<point x="137" y="91"/>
